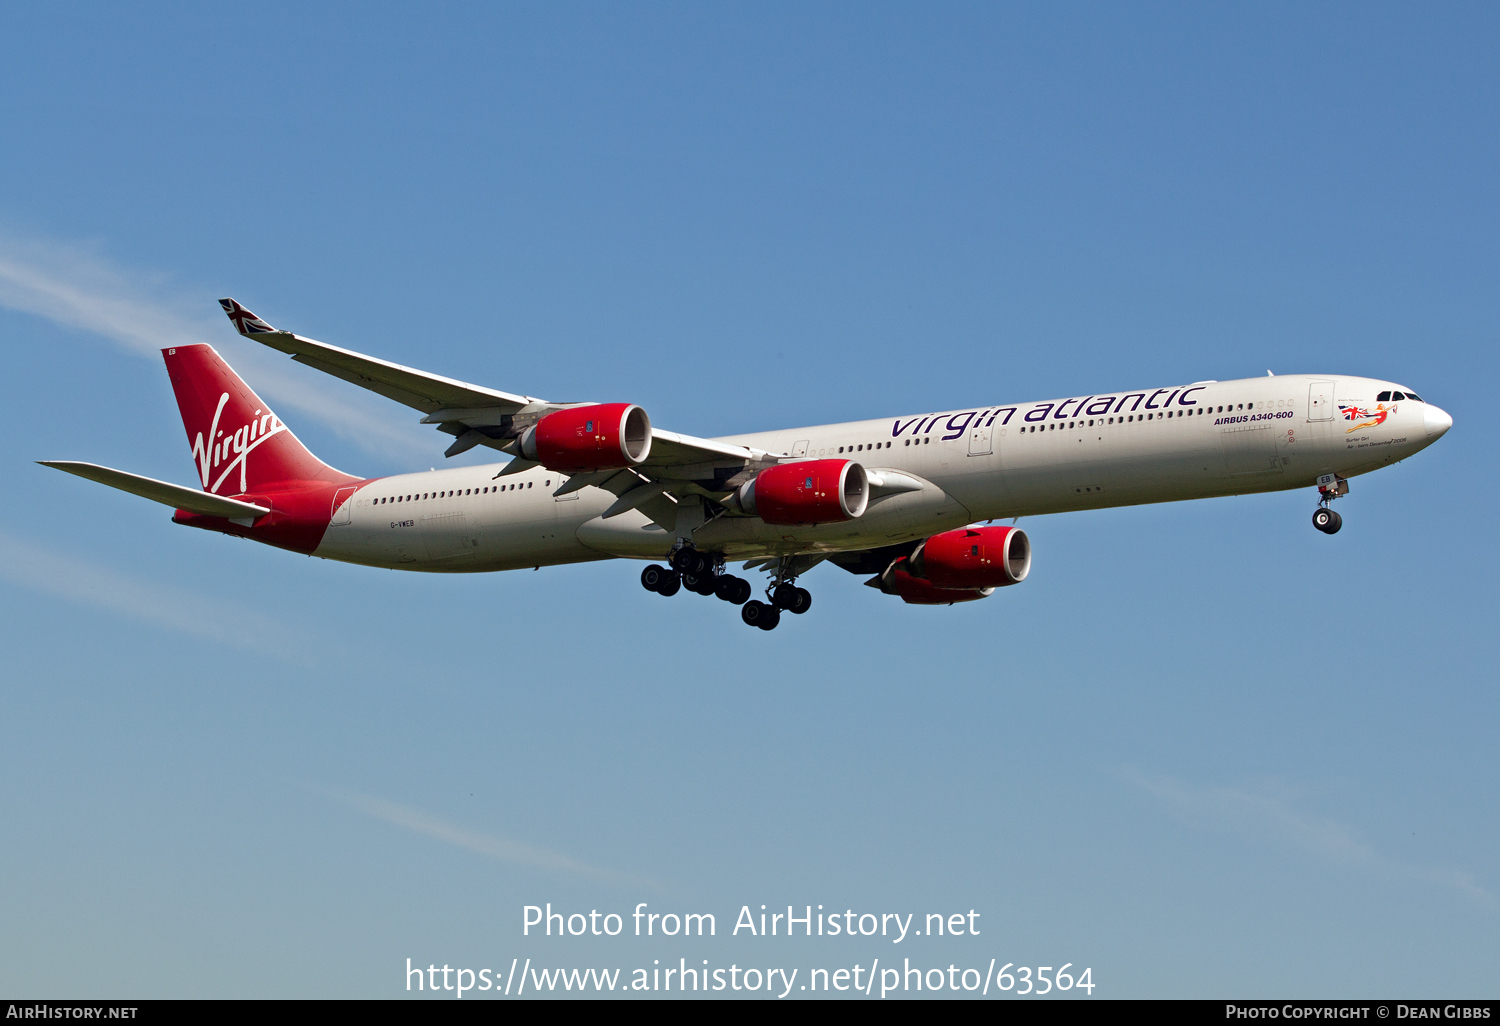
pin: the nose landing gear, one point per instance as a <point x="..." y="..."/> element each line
<point x="1330" y="487"/>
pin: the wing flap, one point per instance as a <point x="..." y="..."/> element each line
<point x="176" y="496"/>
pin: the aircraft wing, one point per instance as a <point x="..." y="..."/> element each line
<point x="417" y="389"/>
<point x="485" y="416"/>
<point x="176" y="496"/>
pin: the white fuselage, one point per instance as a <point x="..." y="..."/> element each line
<point x="1021" y="459"/>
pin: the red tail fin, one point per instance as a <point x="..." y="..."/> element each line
<point x="239" y="445"/>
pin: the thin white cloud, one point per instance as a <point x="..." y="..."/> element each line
<point x="1266" y="816"/>
<point x="75" y="286"/>
<point x="495" y="847"/>
<point x="30" y="565"/>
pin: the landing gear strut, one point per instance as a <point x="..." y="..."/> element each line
<point x="1330" y="487"/>
<point x="784" y="595"/>
<point x="698" y="572"/>
<point x="703" y="572"/>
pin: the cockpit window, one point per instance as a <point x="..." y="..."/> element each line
<point x="1383" y="397"/>
<point x="1414" y="397"/>
<point x="1398" y="395"/>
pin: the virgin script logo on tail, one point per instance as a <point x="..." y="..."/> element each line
<point x="238" y="444"/>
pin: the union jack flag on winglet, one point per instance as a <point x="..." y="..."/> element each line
<point x="244" y="321"/>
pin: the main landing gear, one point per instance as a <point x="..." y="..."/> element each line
<point x="704" y="573"/>
<point x="784" y="595"/>
<point x="1330" y="487"/>
<point x="698" y="573"/>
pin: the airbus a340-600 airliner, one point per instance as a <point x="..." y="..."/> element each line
<point x="904" y="500"/>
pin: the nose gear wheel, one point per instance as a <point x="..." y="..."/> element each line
<point x="1327" y="521"/>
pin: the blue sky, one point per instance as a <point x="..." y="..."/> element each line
<point x="1203" y="750"/>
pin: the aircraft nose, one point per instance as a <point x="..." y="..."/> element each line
<point x="1436" y="421"/>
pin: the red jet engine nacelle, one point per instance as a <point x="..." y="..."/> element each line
<point x="606" y="436"/>
<point x="917" y="592"/>
<point x="973" y="557"/>
<point x="807" y="492"/>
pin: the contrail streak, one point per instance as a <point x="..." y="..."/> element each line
<point x="75" y="287"/>
<point x="496" y="847"/>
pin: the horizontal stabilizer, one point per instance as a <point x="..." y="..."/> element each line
<point x="176" y="496"/>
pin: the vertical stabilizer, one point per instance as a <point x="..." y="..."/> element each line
<point x="238" y="444"/>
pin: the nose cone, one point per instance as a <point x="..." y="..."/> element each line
<point x="1436" y="421"/>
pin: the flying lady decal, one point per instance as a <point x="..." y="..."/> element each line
<point x="1366" y="417"/>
